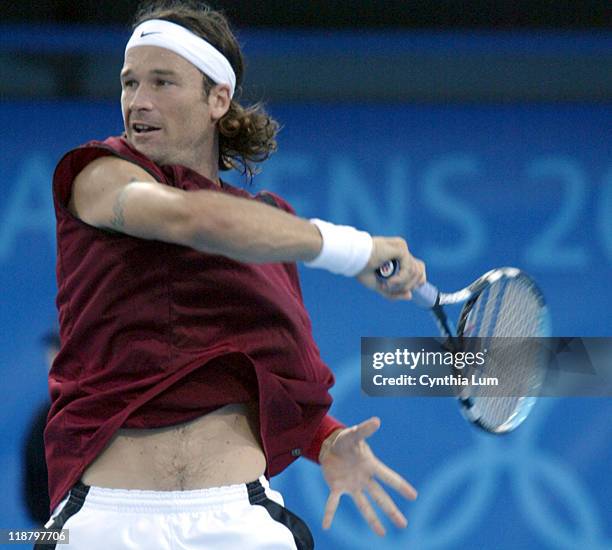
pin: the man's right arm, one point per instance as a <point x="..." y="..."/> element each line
<point x="114" y="194"/>
<point x="117" y="195"/>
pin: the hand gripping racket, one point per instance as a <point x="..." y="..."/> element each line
<point x="504" y="302"/>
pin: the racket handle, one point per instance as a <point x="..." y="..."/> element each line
<point x="425" y="296"/>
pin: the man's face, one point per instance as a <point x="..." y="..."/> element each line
<point x="165" y="112"/>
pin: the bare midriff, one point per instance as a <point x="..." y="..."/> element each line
<point x="219" y="448"/>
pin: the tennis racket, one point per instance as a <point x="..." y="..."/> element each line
<point x="504" y="302"/>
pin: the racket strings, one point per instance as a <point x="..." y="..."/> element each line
<point x="505" y="316"/>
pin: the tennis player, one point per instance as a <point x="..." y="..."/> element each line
<point x="188" y="375"/>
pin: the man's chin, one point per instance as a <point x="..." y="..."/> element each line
<point x="148" y="150"/>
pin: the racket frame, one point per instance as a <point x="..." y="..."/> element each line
<point x="468" y="297"/>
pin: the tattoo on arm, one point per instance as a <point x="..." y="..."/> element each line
<point x="118" y="220"/>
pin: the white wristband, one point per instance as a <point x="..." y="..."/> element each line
<point x="345" y="250"/>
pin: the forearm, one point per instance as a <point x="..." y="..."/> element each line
<point x="216" y="223"/>
<point x="249" y="231"/>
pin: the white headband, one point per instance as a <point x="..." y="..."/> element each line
<point x="173" y="37"/>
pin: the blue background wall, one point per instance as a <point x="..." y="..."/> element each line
<point x="471" y="188"/>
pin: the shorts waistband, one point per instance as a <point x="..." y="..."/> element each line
<point x="167" y="501"/>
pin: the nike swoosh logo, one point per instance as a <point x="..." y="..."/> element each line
<point x="148" y="33"/>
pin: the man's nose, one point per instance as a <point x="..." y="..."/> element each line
<point x="141" y="99"/>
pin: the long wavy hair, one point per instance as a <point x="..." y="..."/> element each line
<point x="247" y="134"/>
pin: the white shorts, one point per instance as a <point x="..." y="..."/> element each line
<point x="236" y="517"/>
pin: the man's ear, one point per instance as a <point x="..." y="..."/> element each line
<point x="219" y="101"/>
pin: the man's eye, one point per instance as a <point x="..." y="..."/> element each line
<point x="129" y="83"/>
<point x="162" y="82"/>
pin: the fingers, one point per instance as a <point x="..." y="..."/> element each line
<point x="423" y="275"/>
<point x="380" y="497"/>
<point x="414" y="272"/>
<point x="401" y="295"/>
<point x="368" y="513"/>
<point x="410" y="275"/>
<point x="350" y="440"/>
<point x="330" y="509"/>
<point x="366" y="428"/>
<point x="396" y="481"/>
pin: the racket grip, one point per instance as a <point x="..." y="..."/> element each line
<point x="425" y="296"/>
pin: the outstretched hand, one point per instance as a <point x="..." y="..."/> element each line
<point x="350" y="467"/>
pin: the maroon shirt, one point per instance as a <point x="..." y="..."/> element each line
<point x="155" y="334"/>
